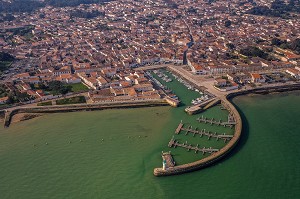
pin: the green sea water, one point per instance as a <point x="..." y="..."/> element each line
<point x="112" y="153"/>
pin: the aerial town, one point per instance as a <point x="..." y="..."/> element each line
<point x="99" y="49"/>
<point x="106" y="98"/>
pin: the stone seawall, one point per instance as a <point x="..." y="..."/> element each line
<point x="81" y="107"/>
<point x="266" y="90"/>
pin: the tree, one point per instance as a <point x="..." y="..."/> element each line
<point x="230" y="46"/>
<point x="6" y="57"/>
<point x="55" y="85"/>
<point x="295" y="45"/>
<point x="227" y="23"/>
<point x="276" y="41"/>
<point x="252" y="51"/>
<point x="58" y="87"/>
<point x="42" y="15"/>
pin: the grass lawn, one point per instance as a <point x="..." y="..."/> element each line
<point x="72" y="100"/>
<point x="78" y="87"/>
<point x="49" y="103"/>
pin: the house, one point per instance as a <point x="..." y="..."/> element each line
<point x="131" y="79"/>
<point x="91" y="82"/>
<point x="62" y="71"/>
<point x="141" y="80"/>
<point x="41" y="95"/>
<point x="69" y="78"/>
<point x="143" y="87"/>
<point x="33" y="80"/>
<point x="232" y="86"/>
<point x="219" y="82"/>
<point x="102" y="82"/>
<point x="21" y="76"/>
<point x="293" y="72"/>
<point x="232" y="77"/>
<point x="198" y="70"/>
<point x="109" y="72"/>
<point x="3" y="100"/>
<point x="244" y="78"/>
<point x="257" y="78"/>
<point x="101" y="95"/>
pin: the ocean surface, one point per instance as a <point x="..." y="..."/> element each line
<point x="112" y="153"/>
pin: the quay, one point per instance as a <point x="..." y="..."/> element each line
<point x="172" y="102"/>
<point x="174" y="143"/>
<point x="202" y="132"/>
<point x="230" y="123"/>
<point x="191" y="110"/>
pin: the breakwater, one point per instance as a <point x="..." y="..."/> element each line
<point x="80" y="107"/>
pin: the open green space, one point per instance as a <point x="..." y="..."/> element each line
<point x="72" y="100"/>
<point x="78" y="87"/>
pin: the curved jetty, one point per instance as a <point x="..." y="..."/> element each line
<point x="216" y="155"/>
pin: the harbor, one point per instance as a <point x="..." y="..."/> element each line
<point x="205" y="136"/>
<point x="234" y="120"/>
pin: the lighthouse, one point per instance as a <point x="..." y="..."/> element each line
<point x="164" y="164"/>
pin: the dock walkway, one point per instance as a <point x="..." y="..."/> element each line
<point x="174" y="143"/>
<point x="230" y="123"/>
<point x="202" y="132"/>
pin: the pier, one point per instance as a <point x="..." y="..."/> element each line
<point x="202" y="132"/>
<point x="174" y="143"/>
<point x="199" y="107"/>
<point x="179" y="128"/>
<point x="230" y="123"/>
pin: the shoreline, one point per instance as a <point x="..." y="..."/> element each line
<point x="229" y="105"/>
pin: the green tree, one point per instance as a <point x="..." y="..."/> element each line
<point x="227" y="23"/>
